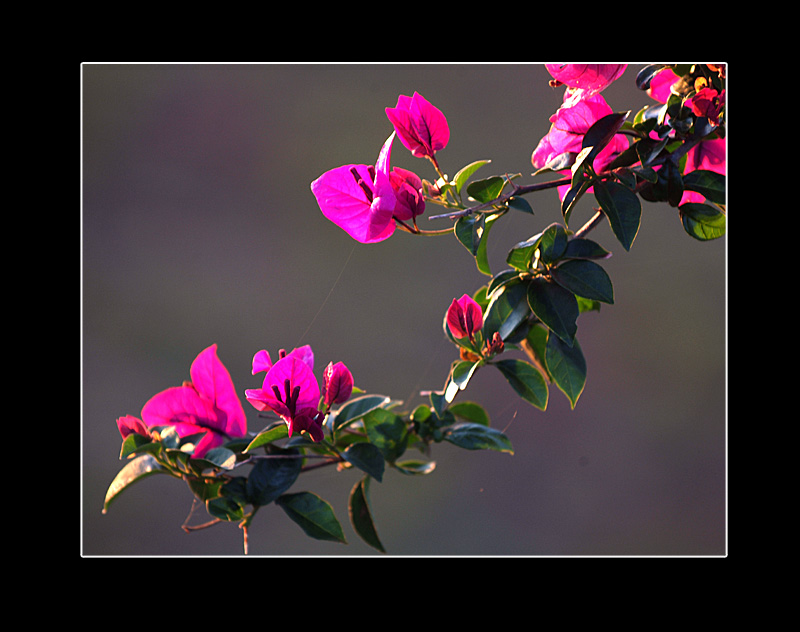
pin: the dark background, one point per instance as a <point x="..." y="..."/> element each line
<point x="199" y="227"/>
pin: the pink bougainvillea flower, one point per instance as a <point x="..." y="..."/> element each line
<point x="584" y="80"/>
<point x="263" y="362"/>
<point x="291" y="391"/>
<point x="464" y="317"/>
<point x="365" y="201"/>
<point x="337" y="384"/>
<point x="207" y="404"/>
<point x="708" y="102"/>
<point x="568" y="126"/>
<point x="422" y="128"/>
<point x="132" y="425"/>
<point x="709" y="154"/>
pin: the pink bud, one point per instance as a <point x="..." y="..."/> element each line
<point x="422" y="128"/>
<point x="337" y="384"/>
<point x="464" y="317"/>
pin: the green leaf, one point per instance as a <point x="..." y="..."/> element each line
<point x="218" y="457"/>
<point x="582" y="248"/>
<point x="601" y="132"/>
<point x="622" y="208"/>
<point x="702" y="221"/>
<point x="586" y="279"/>
<point x="272" y="476"/>
<point x="314" y="515"/>
<point x="361" y="516"/>
<point x="134" y="443"/>
<point x="276" y="432"/>
<point x="520" y="204"/>
<point x="482" y="258"/>
<point x="708" y="183"/>
<point x="463" y="174"/>
<point x="486" y="190"/>
<point x="134" y="471"/>
<point x="470" y="411"/>
<point x="468" y="230"/>
<point x="366" y="457"/>
<point x="387" y="432"/>
<point x="414" y="467"/>
<point x="224" y="508"/>
<point x="567" y="367"/>
<point x="526" y="380"/>
<point x="555" y="306"/>
<point x="575" y="193"/>
<point x="356" y="408"/>
<point x="506" y="311"/>
<point x="459" y="377"/>
<point x="521" y="254"/>
<point x="478" y="437"/>
<point x="553" y="243"/>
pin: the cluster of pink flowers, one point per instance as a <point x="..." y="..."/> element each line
<point x="367" y="201"/>
<point x="709" y="154"/>
<point x="582" y="106"/>
<point x="291" y="391"/>
<point x="208" y="405"/>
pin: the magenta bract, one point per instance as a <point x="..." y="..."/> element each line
<point x="422" y="128"/>
<point x="568" y="126"/>
<point x="464" y="317"/>
<point x="132" y="425"/>
<point x="208" y="403"/>
<point x="337" y="384"/>
<point x="589" y="78"/>
<point x="359" y="198"/>
<point x="291" y="391"/>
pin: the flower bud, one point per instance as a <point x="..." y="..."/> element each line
<point x="337" y="384"/>
<point x="464" y="317"/>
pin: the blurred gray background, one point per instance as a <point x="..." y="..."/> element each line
<point x="199" y="227"/>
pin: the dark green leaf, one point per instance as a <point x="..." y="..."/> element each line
<point x="361" y="516"/>
<point x="468" y="231"/>
<point x="622" y="208"/>
<point x="314" y="515"/>
<point x="506" y="311"/>
<point x="500" y="279"/>
<point x="555" y="306"/>
<point x="601" y="132"/>
<point x="135" y="443"/>
<point x="218" y="457"/>
<point x="387" y="432"/>
<point x="553" y="243"/>
<point x="646" y="74"/>
<point x="366" y="457"/>
<point x="582" y="248"/>
<point x="526" y="380"/>
<point x="482" y="258"/>
<point x="708" y="183"/>
<point x="520" y="204"/>
<point x="478" y="437"/>
<point x="356" y="408"/>
<point x="470" y="411"/>
<point x="586" y="279"/>
<point x="463" y="174"/>
<point x="135" y="470"/>
<point x="567" y="367"/>
<point x="702" y="221"/>
<point x="224" y="508"/>
<point x="576" y="191"/>
<point x="272" y="476"/>
<point x="486" y="190"/>
<point x="276" y="432"/>
<point x="521" y="254"/>
<point x="414" y="467"/>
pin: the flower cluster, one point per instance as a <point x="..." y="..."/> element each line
<point x="207" y="405"/>
<point x="291" y="391"/>
<point x="368" y="202"/>
<point x="582" y="106"/>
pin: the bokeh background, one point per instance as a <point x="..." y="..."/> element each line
<point x="199" y="227"/>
